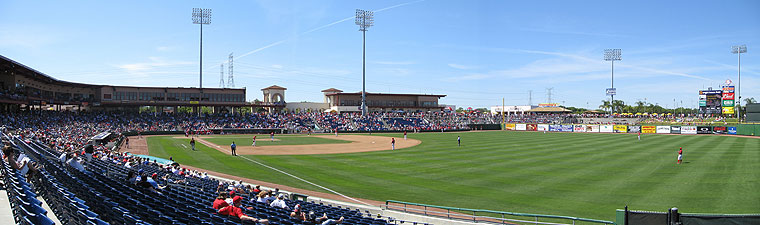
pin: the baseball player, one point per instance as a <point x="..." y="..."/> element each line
<point x="254" y="141"/>
<point x="393" y="144"/>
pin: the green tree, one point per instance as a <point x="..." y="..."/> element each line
<point x="750" y="100"/>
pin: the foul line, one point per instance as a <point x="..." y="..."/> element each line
<point x="286" y="173"/>
<point x="306" y="181"/>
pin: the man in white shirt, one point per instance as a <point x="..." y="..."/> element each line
<point x="75" y="162"/>
<point x="279" y="202"/>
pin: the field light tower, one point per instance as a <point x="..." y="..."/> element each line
<point x="364" y="19"/>
<point x="612" y="55"/>
<point x="739" y="49"/>
<point x="201" y="16"/>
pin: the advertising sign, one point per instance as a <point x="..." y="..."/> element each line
<point x="731" y="130"/>
<point x="509" y="126"/>
<point x="648" y="129"/>
<point x="531" y="127"/>
<point x="579" y="128"/>
<point x="592" y="128"/>
<point x="605" y="128"/>
<point x="521" y="126"/>
<point x="620" y="128"/>
<point x="554" y="128"/>
<point x="611" y="91"/>
<point x="663" y="129"/>
<point x="728" y="96"/>
<point x="702" y="100"/>
<point x="675" y="129"/>
<point x="728" y="110"/>
<point x="729" y="89"/>
<point x="542" y="127"/>
<point x="634" y="129"/>
<point x="720" y="130"/>
<point x="566" y="128"/>
<point x="688" y="130"/>
<point x="704" y="130"/>
<point x="728" y="103"/>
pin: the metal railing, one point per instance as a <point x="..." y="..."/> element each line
<point x="472" y="214"/>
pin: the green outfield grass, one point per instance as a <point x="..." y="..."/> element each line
<point x="572" y="174"/>
<point x="264" y="140"/>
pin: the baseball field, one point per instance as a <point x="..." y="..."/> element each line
<point x="571" y="174"/>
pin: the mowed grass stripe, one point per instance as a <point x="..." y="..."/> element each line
<point x="586" y="175"/>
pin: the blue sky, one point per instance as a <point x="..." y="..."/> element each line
<point x="476" y="52"/>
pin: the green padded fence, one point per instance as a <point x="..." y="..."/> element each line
<point x="748" y="129"/>
<point x="481" y="215"/>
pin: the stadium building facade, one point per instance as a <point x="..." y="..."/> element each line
<point x="24" y="87"/>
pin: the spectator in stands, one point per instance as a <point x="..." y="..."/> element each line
<point x="279" y="202"/>
<point x="263" y="197"/>
<point x="312" y="217"/>
<point x="235" y="210"/>
<point x="75" y="162"/>
<point x="131" y="177"/>
<point x="220" y="202"/>
<point x="88" y="150"/>
<point x="143" y="183"/>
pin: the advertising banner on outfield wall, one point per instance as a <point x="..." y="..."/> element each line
<point x="663" y="129"/>
<point x="554" y="128"/>
<point x="592" y="128"/>
<point x="648" y="129"/>
<point x="509" y="126"/>
<point x="634" y="129"/>
<point x="531" y="127"/>
<point x="675" y="129"/>
<point x="720" y="130"/>
<point x="731" y="130"/>
<point x="605" y="128"/>
<point x="521" y="126"/>
<point x="704" y="130"/>
<point x="579" y="128"/>
<point x="542" y="127"/>
<point x="620" y="128"/>
<point x="728" y="110"/>
<point x="566" y="128"/>
<point x="688" y="130"/>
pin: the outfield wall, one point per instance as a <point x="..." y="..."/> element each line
<point x="741" y="129"/>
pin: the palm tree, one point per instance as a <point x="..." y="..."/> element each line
<point x="750" y="100"/>
<point x="605" y="105"/>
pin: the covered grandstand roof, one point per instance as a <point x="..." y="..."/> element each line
<point x="549" y="110"/>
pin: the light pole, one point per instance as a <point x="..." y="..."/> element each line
<point x="201" y="16"/>
<point x="739" y="49"/>
<point x="364" y="19"/>
<point x="612" y="55"/>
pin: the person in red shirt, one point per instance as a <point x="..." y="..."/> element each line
<point x="235" y="210"/>
<point x="404" y="135"/>
<point x="219" y="202"/>
<point x="680" y="155"/>
<point x="393" y="144"/>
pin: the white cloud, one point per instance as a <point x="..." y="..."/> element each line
<point x="276" y="66"/>
<point x="461" y="67"/>
<point x="155" y="62"/>
<point x="394" y="62"/>
<point x="163" y="48"/>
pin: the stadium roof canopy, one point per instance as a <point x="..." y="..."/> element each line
<point x="549" y="110"/>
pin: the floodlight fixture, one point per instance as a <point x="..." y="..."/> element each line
<point x="364" y="19"/>
<point x="201" y="16"/>
<point x="739" y="49"/>
<point x="612" y="55"/>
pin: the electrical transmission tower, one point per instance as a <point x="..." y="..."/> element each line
<point x="549" y="94"/>
<point x="221" y="75"/>
<point x="530" y="97"/>
<point x="230" y="78"/>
